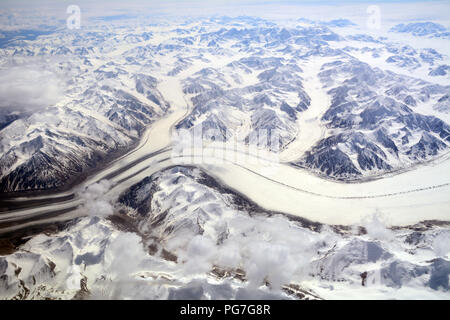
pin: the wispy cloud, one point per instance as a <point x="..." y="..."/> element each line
<point x="28" y="87"/>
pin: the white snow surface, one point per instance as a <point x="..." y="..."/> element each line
<point x="193" y="241"/>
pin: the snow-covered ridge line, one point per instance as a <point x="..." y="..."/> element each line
<point x="187" y="237"/>
<point x="309" y="209"/>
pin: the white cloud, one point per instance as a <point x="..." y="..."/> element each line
<point x="96" y="202"/>
<point x="28" y="87"/>
<point x="441" y="244"/>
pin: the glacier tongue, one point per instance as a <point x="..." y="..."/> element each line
<point x="346" y="107"/>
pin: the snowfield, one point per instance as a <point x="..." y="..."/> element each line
<point x="108" y="191"/>
<point x="184" y="236"/>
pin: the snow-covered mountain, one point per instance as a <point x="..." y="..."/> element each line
<point x="102" y="111"/>
<point x="93" y="111"/>
<point x="182" y="235"/>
